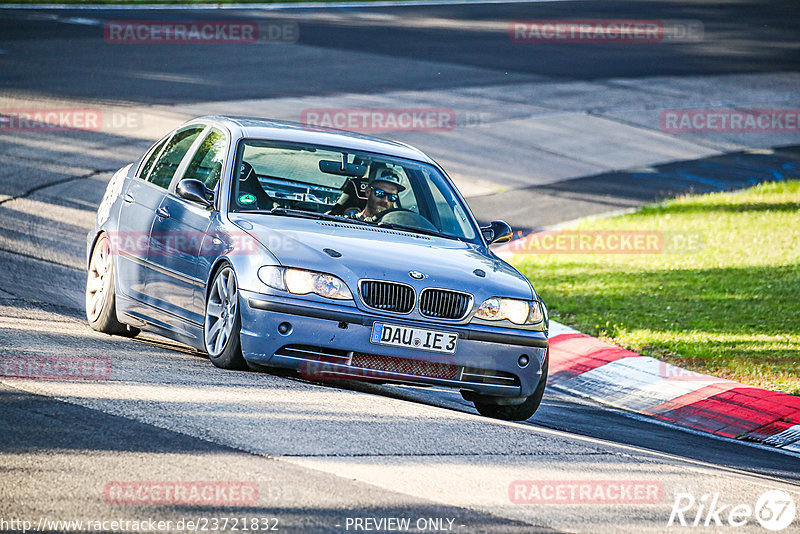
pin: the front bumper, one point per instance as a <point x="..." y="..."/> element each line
<point x="329" y="341"/>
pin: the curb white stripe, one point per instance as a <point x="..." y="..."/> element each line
<point x="790" y="434"/>
<point x="793" y="447"/>
<point x="637" y="383"/>
<point x="557" y="329"/>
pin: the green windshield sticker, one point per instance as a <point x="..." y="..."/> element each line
<point x="247" y="199"/>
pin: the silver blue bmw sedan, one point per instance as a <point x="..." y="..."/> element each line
<point x="277" y="245"/>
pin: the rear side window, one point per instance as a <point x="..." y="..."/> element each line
<point x="151" y="158"/>
<point x="173" y="154"/>
<point x="206" y="165"/>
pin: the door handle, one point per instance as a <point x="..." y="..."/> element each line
<point x="128" y="198"/>
<point x="163" y="213"/>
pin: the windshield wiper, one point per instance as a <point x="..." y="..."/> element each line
<point x="338" y="218"/>
<point x="415" y="229"/>
<point x="313" y="215"/>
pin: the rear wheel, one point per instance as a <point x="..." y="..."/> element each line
<point x="223" y="322"/>
<point x="518" y="412"/>
<point x="100" y="294"/>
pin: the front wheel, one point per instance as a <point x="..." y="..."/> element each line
<point x="518" y="412"/>
<point x="100" y="294"/>
<point x="222" y="321"/>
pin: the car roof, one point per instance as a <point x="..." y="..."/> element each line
<point x="255" y="128"/>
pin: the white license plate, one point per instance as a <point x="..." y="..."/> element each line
<point x="413" y="338"/>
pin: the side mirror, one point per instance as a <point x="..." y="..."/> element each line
<point x="194" y="191"/>
<point x="497" y="232"/>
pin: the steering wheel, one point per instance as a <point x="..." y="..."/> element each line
<point x="384" y="213"/>
<point x="406" y="217"/>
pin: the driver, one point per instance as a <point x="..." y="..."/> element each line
<point x="382" y="194"/>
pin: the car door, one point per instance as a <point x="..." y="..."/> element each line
<point x="147" y="196"/>
<point x="137" y="212"/>
<point x="178" y="231"/>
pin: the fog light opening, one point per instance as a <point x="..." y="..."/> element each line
<point x="285" y="329"/>
<point x="524" y="360"/>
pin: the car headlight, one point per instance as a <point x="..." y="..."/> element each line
<point x="302" y="282"/>
<point x="515" y="310"/>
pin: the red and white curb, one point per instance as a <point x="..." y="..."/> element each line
<point x="588" y="367"/>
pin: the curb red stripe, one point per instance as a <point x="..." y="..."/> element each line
<point x="692" y="398"/>
<point x="574" y="354"/>
<point x="644" y="385"/>
<point x="737" y="411"/>
<point x="635" y="384"/>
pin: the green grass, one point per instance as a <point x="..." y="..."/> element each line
<point x="729" y="308"/>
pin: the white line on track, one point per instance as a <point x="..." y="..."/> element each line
<point x="82" y="21"/>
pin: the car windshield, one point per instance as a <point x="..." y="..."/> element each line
<point x="303" y="180"/>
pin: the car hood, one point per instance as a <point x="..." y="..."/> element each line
<point x="378" y="253"/>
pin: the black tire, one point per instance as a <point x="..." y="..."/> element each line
<point x="518" y="412"/>
<point x="100" y="297"/>
<point x="229" y="356"/>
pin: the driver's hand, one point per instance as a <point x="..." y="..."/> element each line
<point x="351" y="212"/>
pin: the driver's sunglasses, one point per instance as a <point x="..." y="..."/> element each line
<point x="391" y="197"/>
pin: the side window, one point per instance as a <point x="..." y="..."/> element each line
<point x="171" y="158"/>
<point x="407" y="198"/>
<point x="453" y="218"/>
<point x="206" y="165"/>
<point x="151" y="158"/>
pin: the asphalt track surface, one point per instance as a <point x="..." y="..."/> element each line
<point x="321" y="454"/>
<point x="739" y="37"/>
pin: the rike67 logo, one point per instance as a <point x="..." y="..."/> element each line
<point x="774" y="510"/>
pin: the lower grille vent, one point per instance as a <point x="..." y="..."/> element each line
<point x="489" y="376"/>
<point x="406" y="366"/>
